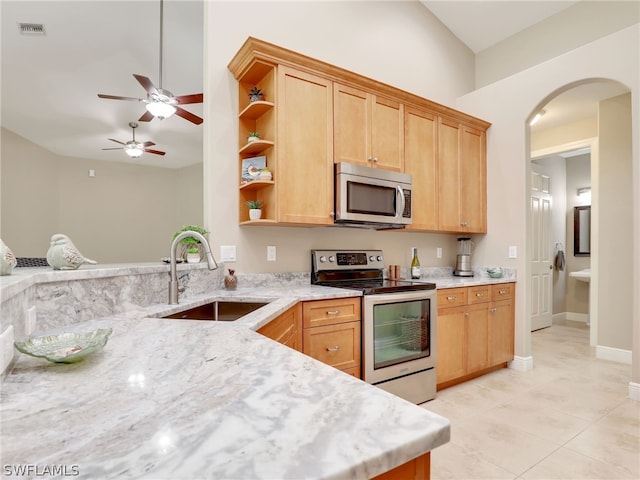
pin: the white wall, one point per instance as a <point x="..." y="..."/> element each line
<point x="509" y="104"/>
<point x="399" y="43"/>
<point x="126" y="213"/>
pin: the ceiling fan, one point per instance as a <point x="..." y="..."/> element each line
<point x="161" y="103"/>
<point x="135" y="149"/>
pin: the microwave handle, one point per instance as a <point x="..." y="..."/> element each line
<point x="402" y="201"/>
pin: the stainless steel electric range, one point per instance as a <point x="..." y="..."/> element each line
<point x="398" y="321"/>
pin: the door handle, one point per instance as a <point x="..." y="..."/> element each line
<point x="400" y="211"/>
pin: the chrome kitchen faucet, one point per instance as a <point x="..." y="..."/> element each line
<point x="174" y="287"/>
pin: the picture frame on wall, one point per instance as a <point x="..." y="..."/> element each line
<point x="251" y="168"/>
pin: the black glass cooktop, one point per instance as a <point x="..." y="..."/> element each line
<point x="373" y="286"/>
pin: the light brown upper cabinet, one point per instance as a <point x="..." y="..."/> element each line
<point x="368" y="129"/>
<point x="462" y="178"/>
<point x="421" y="161"/>
<point x="304" y="183"/>
<point x="314" y="114"/>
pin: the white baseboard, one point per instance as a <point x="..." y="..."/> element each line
<point x="575" y="317"/>
<point x="634" y="391"/>
<point x="522" y="364"/>
<point x="613" y="354"/>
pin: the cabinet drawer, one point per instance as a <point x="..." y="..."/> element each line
<point x="502" y="291"/>
<point x="330" y="312"/>
<point x="452" y="297"/>
<point x="479" y="294"/>
<point x="335" y="345"/>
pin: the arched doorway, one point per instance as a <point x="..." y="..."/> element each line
<point x="580" y="115"/>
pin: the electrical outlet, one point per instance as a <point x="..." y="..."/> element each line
<point x="227" y="253"/>
<point x="6" y="348"/>
<point x="30" y="324"/>
<point x="513" y="251"/>
<point x="438" y="252"/>
<point x="271" y="253"/>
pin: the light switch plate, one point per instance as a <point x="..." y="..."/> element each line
<point x="513" y="251"/>
<point x="227" y="253"/>
<point x="6" y="348"/>
<point x="271" y="253"/>
<point x="438" y="252"/>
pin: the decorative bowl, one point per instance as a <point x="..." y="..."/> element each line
<point x="65" y="347"/>
<point x="495" y="272"/>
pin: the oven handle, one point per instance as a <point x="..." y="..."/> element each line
<point x="400" y="296"/>
<point x="402" y="201"/>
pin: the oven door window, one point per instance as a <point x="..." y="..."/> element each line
<point x="401" y="332"/>
<point x="371" y="199"/>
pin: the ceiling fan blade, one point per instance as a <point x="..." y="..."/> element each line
<point x="117" y="141"/>
<point x="147" y="84"/>
<point x="181" y="112"/>
<point x="116" y="97"/>
<point x="156" y="152"/>
<point x="148" y="144"/>
<point x="146" y="117"/>
<point x="193" y="98"/>
<point x="115" y="148"/>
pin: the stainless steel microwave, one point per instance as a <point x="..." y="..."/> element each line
<point x="371" y="197"/>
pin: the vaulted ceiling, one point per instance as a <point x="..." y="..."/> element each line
<point x="50" y="82"/>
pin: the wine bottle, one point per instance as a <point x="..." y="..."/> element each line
<point x="415" y="264"/>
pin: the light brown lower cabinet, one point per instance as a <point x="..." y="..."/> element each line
<point x="417" y="469"/>
<point x="331" y="333"/>
<point x="286" y="328"/>
<point x="475" y="331"/>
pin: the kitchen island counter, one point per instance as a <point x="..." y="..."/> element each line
<point x="196" y="399"/>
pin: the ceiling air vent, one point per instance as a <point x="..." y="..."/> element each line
<point x="31" y="28"/>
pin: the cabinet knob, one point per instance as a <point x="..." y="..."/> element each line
<point x="333" y="349"/>
<point x="502" y="291"/>
<point x="463" y="224"/>
<point x="480" y="294"/>
<point x="493" y="310"/>
<point x="466" y="314"/>
<point x="451" y="298"/>
<point x="374" y="159"/>
<point x="333" y="312"/>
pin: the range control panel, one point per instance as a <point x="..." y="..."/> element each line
<point x="346" y="259"/>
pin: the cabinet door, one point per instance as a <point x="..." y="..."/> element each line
<point x="336" y="345"/>
<point x="449" y="176"/>
<point x="387" y="134"/>
<point x="304" y="171"/>
<point x="450" y="360"/>
<point x="286" y="328"/>
<point x="473" y="180"/>
<point x="352" y="134"/>
<point x="477" y="344"/>
<point x="420" y="160"/>
<point x="501" y="331"/>
<point x="462" y="206"/>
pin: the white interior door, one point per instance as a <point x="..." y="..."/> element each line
<point x="541" y="255"/>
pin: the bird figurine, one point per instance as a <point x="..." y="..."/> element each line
<point x="63" y="254"/>
<point x="7" y="259"/>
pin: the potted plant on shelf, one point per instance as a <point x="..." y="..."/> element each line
<point x="255" y="209"/>
<point x="265" y="174"/>
<point x="255" y="95"/>
<point x="193" y="255"/>
<point x="253" y="136"/>
<point x="190" y="243"/>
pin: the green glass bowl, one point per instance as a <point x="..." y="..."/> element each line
<point x="65" y="347"/>
<point x="494" y="272"/>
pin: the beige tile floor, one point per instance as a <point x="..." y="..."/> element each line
<point x="568" y="418"/>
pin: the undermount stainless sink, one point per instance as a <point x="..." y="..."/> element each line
<point x="218" y="311"/>
<point x="582" y="275"/>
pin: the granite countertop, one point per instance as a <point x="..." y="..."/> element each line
<point x="196" y="399"/>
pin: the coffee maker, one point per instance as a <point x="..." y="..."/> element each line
<point x="463" y="260"/>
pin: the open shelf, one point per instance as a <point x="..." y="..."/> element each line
<point x="255" y="110"/>
<point x="256" y="147"/>
<point x="256" y="184"/>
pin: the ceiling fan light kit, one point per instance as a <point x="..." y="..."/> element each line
<point x="161" y="103"/>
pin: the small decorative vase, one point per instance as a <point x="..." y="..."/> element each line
<point x="7" y="259"/>
<point x="255" y="214"/>
<point x="230" y="280"/>
<point x="252" y="139"/>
